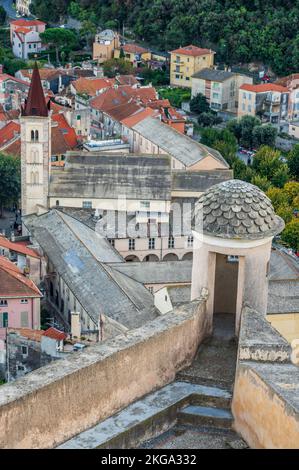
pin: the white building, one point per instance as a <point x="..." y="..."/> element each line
<point x="25" y="42"/>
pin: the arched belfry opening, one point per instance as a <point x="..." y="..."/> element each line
<point x="232" y="249"/>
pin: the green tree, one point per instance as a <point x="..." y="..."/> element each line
<point x="199" y="104"/>
<point x="3" y="15"/>
<point x="293" y="161"/>
<point x="10" y="174"/>
<point x="59" y="38"/>
<point x="290" y="235"/>
<point x="264" y="135"/>
<point x="262" y="182"/>
<point x="88" y="30"/>
<point x="266" y="162"/>
<point x="114" y="66"/>
<point x="208" y="119"/>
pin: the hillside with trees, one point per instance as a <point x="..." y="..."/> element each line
<point x="240" y="31"/>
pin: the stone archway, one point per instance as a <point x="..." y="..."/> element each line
<point x="170" y="257"/>
<point x="151" y="257"/>
<point x="132" y="258"/>
<point x="188" y="256"/>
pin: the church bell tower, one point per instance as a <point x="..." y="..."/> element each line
<point x="35" y="148"/>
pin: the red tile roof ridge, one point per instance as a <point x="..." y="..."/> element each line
<point x="18" y="247"/>
<point x="12" y="270"/>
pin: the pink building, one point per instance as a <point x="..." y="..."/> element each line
<point x="19" y="300"/>
<point x="32" y="25"/>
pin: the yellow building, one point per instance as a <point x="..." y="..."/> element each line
<point x="186" y="61"/>
<point x="133" y="53"/>
<point x="104" y="45"/>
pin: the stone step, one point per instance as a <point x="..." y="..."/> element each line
<point x="204" y="415"/>
<point x="223" y="402"/>
<point x="210" y="382"/>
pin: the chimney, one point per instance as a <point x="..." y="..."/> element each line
<point x="75" y="325"/>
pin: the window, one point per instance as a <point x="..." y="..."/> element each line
<point x="4" y="320"/>
<point x="144" y="204"/>
<point x="3" y="303"/>
<point x="24" y="350"/>
<point x="111" y="241"/>
<point x="36" y="136"/>
<point x="187" y="78"/>
<point x="57" y="203"/>
<point x="190" y="241"/>
<point x="151" y="243"/>
<point x="24" y="320"/>
<point x="24" y="301"/>
<point x="78" y="117"/>
<point x="131" y="244"/>
<point x="22" y="368"/>
<point x="177" y="77"/>
<point x="87" y="204"/>
<point x="34" y="155"/>
<point x="232" y="259"/>
<point x="29" y="46"/>
<point x="249" y="108"/>
<point x="171" y="242"/>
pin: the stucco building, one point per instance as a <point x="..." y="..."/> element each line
<point x="269" y="101"/>
<point x="186" y="61"/>
<point x="104" y="45"/>
<point x="220" y="87"/>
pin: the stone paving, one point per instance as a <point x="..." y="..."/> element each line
<point x="215" y="362"/>
<point x="190" y="437"/>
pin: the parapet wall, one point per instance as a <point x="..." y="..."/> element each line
<point x="266" y="392"/>
<point x="58" y="401"/>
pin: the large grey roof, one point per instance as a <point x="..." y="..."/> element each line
<point x="198" y="181"/>
<point x="176" y="144"/>
<point x="99" y="289"/>
<point x="283" y="266"/>
<point x="164" y="272"/>
<point x="213" y="75"/>
<point x="236" y="209"/>
<point x="107" y="177"/>
<point x="283" y="297"/>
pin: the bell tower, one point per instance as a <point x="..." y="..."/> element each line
<point x="35" y="148"/>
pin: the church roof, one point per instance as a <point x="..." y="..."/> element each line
<point x="35" y="105"/>
<point x="236" y="209"/>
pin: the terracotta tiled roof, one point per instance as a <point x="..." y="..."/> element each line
<point x="8" y="132"/>
<point x="158" y="103"/>
<point x="90" y="86"/>
<point x="59" y="146"/>
<point x="9" y="115"/>
<point x="5" y="76"/>
<point x="33" y="335"/>
<point x="114" y="97"/>
<point x="126" y="80"/>
<point x="27" y="23"/>
<point x="45" y="73"/>
<point x="13" y="283"/>
<point x="124" y="110"/>
<point x="133" y="49"/>
<point x="264" y="87"/>
<point x="13" y="149"/>
<point x="68" y="132"/>
<point x="137" y="117"/>
<point x="23" y="30"/>
<point x="55" y="334"/>
<point x="144" y="94"/>
<point x="192" y="50"/>
<point x="287" y="81"/>
<point x="17" y="247"/>
<point x="35" y="104"/>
